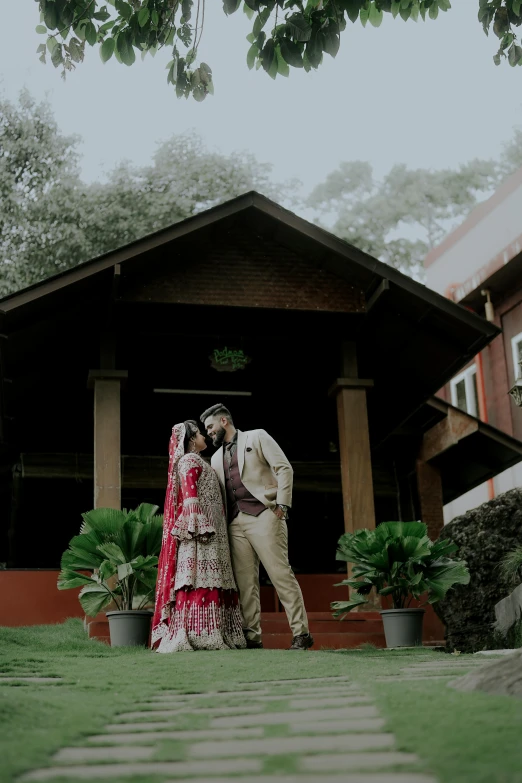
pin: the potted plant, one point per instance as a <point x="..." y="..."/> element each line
<point x="398" y="559"/>
<point x="120" y="549"/>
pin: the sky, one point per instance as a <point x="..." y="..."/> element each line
<point x="424" y="94"/>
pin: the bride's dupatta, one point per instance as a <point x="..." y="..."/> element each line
<point x="165" y="595"/>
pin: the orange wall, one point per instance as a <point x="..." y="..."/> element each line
<point x="31" y="598"/>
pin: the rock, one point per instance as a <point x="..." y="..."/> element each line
<point x="484" y="535"/>
<point x="503" y="677"/>
<point x="508" y="611"/>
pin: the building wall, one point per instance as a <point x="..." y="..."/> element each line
<point x="488" y="239"/>
<point x="492" y="227"/>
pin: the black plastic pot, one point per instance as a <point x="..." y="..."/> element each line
<point x="403" y="627"/>
<point x="130" y="628"/>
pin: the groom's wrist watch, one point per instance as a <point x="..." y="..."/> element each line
<point x="284" y="509"/>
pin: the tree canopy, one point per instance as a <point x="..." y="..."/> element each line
<point x="50" y="220"/>
<point x="402" y="216"/>
<point x="285" y="33"/>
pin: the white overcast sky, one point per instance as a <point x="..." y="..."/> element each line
<point x="427" y="94"/>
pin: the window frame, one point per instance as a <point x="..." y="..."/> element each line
<point x="514" y="353"/>
<point x="466" y="376"/>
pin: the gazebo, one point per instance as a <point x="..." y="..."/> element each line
<point x="336" y="354"/>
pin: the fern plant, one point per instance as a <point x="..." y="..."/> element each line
<point x="397" y="559"/>
<point x="122" y="544"/>
<point x="511" y="566"/>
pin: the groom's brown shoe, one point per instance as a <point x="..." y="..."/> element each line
<point x="302" y="642"/>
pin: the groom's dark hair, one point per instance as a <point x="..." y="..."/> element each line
<point x="217" y="410"/>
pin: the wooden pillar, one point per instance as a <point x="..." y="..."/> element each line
<point x="429" y="485"/>
<point x="107" y="448"/>
<point x="354" y="444"/>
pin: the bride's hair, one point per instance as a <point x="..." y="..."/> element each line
<point x="191" y="429"/>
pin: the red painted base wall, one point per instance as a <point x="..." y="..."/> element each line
<point x="30" y="597"/>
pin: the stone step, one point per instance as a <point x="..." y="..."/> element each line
<point x="336" y="641"/>
<point x="145" y="769"/>
<point x="273" y="746"/>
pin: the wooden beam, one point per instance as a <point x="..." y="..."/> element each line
<point x="447" y="433"/>
<point x="376" y="297"/>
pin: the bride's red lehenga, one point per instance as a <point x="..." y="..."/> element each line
<point x="197" y="606"/>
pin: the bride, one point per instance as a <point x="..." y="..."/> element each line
<point x="197" y="606"/>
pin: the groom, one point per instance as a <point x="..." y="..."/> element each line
<point x="256" y="480"/>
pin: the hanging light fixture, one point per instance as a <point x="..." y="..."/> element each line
<point x="516" y="391"/>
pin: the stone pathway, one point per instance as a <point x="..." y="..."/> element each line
<point x="433" y="670"/>
<point x="322" y="730"/>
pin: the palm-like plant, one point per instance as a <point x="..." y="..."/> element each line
<point x="398" y="559"/>
<point x="125" y="544"/>
<point x="511" y="566"/>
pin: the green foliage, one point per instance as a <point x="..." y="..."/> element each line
<point x="51" y="221"/>
<point x="121" y="544"/>
<point x="401" y="217"/>
<point x="398" y="559"/>
<point x="511" y="566"/>
<point x="285" y="33"/>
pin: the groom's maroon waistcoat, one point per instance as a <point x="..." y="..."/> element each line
<point x="238" y="496"/>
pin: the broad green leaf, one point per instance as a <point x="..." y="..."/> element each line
<point x="331" y="43"/>
<point x="113" y="553"/>
<point x="91" y="35"/>
<point x="143" y="16"/>
<point x="93" y="599"/>
<point x="261" y="20"/>
<point x="125" y="49"/>
<point x="375" y="15"/>
<point x="352" y="9"/>
<point x="124" y="571"/>
<point x="124" y="9"/>
<point x="107" y="49"/>
<point x="298" y="28"/>
<point x="251" y="56"/>
<point x="343" y="607"/>
<point x="231" y="6"/>
<point x="50" y="15"/>
<point x="41" y="29"/>
<point x="291" y="52"/>
<point x="282" y="65"/>
<point x="68" y="579"/>
<point x="76" y="50"/>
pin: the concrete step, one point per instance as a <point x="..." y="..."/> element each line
<point x="336" y="641"/>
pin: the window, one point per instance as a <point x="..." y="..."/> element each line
<point x="516" y="348"/>
<point x="464" y="393"/>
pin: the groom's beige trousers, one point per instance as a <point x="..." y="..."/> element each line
<point x="264" y="538"/>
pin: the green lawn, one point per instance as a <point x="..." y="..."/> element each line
<point x="460" y="737"/>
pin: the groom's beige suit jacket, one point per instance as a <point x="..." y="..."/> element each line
<point x="263" y="467"/>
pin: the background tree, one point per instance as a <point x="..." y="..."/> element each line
<point x="285" y="33"/>
<point x="50" y="220"/>
<point x="400" y="218"/>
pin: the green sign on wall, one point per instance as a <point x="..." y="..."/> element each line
<point x="229" y="359"/>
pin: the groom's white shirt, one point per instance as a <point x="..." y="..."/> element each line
<point x="263" y="467"/>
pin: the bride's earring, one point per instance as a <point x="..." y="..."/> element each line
<point x="192" y="445"/>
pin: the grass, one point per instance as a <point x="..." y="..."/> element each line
<point x="458" y="736"/>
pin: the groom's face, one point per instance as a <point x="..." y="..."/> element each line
<point x="215" y="430"/>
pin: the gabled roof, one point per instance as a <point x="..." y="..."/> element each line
<point x="370" y="271"/>
<point x="411" y="340"/>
